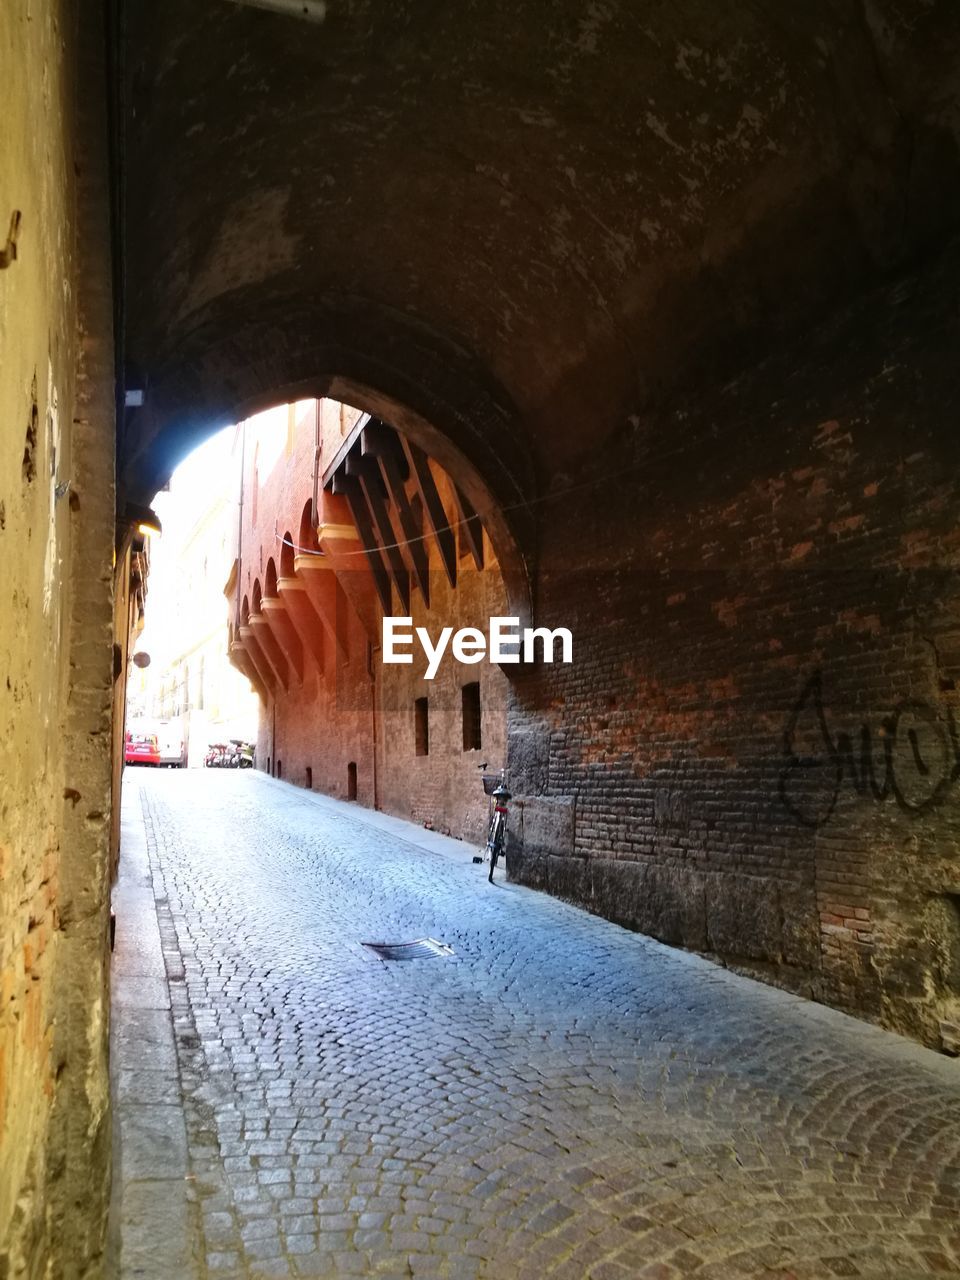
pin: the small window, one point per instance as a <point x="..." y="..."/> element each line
<point x="309" y="778"/>
<point x="470" y="703"/>
<point x="268" y="765"/>
<point x="279" y="769"/>
<point x="352" y="780"/>
<point x="421" y="727"/>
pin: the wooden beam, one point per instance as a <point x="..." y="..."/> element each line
<point x="381" y="443"/>
<point x="470" y="527"/>
<point x="371" y="482"/>
<point x="338" y="459"/>
<point x="349" y="488"/>
<point x="416" y="547"/>
<point x="377" y="440"/>
<point x="437" y="517"/>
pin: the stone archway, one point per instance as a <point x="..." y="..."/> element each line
<point x="426" y="389"/>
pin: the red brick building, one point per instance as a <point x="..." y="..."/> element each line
<point x="339" y="523"/>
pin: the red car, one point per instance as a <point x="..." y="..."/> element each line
<point x="141" y="748"/>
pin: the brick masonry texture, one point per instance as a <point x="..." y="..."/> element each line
<point x="563" y="1098"/>
<point x="630" y="267"/>
<point x="357" y="709"/>
<point x="755" y="754"/>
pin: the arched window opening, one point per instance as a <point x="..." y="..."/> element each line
<point x="307" y="540"/>
<point x="287" y="555"/>
<point x="270" y="580"/>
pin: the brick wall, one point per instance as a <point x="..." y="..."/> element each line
<point x="358" y="710"/>
<point x="755" y="753"/>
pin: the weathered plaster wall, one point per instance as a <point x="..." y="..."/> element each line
<point x="56" y="535"/>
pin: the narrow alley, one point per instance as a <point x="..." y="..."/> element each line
<point x="343" y="343"/>
<point x="560" y="1097"/>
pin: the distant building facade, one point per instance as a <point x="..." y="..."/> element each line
<point x="341" y="522"/>
<point x="190" y="685"/>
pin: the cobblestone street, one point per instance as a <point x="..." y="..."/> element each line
<point x="561" y="1098"/>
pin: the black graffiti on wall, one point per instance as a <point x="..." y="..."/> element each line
<point x="911" y="755"/>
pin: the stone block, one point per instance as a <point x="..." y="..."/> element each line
<point x="616" y="888"/>
<point x="155" y="1229"/>
<point x="569" y="878"/>
<point x="799" y="927"/>
<point x="671" y="906"/>
<point x="529" y="761"/>
<point x="153" y="1141"/>
<point x="529" y="870"/>
<point x="743" y="917"/>
<point x="547" y="825"/>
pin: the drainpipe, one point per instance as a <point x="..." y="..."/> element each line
<point x="243" y="454"/>
<point x="373" y="712"/>
<point x="315" y="508"/>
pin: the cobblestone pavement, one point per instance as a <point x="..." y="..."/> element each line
<point x="563" y="1099"/>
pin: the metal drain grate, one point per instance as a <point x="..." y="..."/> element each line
<point x="422" y="949"/>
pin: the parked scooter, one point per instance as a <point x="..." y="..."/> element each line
<point x="235" y="754"/>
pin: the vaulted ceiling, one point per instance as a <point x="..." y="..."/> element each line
<point x="515" y="226"/>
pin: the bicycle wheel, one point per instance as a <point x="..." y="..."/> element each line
<point x="496" y="843"/>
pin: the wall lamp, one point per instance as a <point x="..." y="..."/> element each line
<point x="309" y="10"/>
<point x="145" y="519"/>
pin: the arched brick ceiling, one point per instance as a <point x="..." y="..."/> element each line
<point x="524" y="222"/>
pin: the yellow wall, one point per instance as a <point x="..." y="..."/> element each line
<point x="55" y="429"/>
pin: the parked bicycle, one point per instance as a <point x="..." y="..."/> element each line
<point x="495" y="786"/>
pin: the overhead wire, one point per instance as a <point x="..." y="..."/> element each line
<point x="455" y="524"/>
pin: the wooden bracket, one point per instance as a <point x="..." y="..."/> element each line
<point x="471" y="528"/>
<point x="420" y="468"/>
<point x="349" y="487"/>
<point x="383" y="445"/>
<point x="371" y="483"/>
